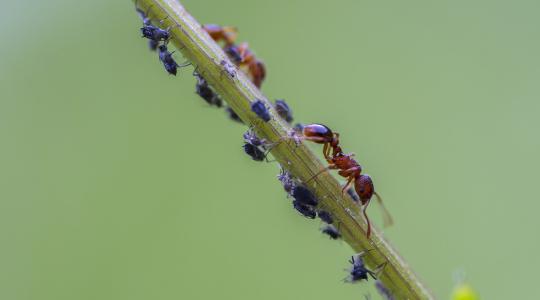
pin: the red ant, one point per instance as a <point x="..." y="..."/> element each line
<point x="347" y="166"/>
<point x="227" y="34"/>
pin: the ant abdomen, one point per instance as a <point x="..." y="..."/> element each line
<point x="318" y="131"/>
<point x="364" y="188"/>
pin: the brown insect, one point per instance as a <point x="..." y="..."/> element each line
<point x="348" y="167"/>
<point x="227" y="34"/>
<point x="245" y="58"/>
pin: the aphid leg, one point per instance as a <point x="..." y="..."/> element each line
<point x="375" y="273"/>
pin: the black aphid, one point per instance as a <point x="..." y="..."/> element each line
<point x="331" y="231"/>
<point x="353" y="194"/>
<point x="168" y="61"/>
<point x="358" y="270"/>
<point x="287" y="181"/>
<point x="203" y="89"/>
<point x="306" y="210"/>
<point x="152" y="44"/>
<point x="303" y="195"/>
<point x="233" y="116"/>
<point x="325" y="216"/>
<point x="254" y="151"/>
<point x="251" y="138"/>
<point x="283" y="110"/>
<point x="260" y="110"/>
<point x="152" y="32"/>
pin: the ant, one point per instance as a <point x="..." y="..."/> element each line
<point x="168" y="61"/>
<point x="331" y="231"/>
<point x="260" y="110"/>
<point x="242" y="56"/>
<point x="283" y="110"/>
<point x="347" y="166"/>
<point x="227" y="34"/>
<point x="359" y="271"/>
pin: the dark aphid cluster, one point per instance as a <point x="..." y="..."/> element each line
<point x="260" y="110"/>
<point x="157" y="40"/>
<point x="283" y="110"/>
<point x="203" y="89"/>
<point x="331" y="231"/>
<point x="304" y="201"/>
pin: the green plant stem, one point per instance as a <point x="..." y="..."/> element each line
<point x="188" y="36"/>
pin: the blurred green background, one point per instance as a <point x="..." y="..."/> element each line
<point x="118" y="182"/>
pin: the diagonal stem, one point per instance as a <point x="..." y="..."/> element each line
<point x="208" y="58"/>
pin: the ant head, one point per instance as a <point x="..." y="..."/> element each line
<point x="364" y="187"/>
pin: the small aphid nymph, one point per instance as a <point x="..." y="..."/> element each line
<point x="232" y="115"/>
<point x="203" y="89"/>
<point x="358" y="270"/>
<point x="283" y="110"/>
<point x="325" y="216"/>
<point x="254" y="151"/>
<point x="260" y="110"/>
<point x="229" y="69"/>
<point x="331" y="231"/>
<point x="306" y="210"/>
<point x="287" y="181"/>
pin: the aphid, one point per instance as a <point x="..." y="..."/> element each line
<point x="287" y="181"/>
<point x="383" y="291"/>
<point x="347" y="166"/>
<point x="202" y="89"/>
<point x="227" y="34"/>
<point x="331" y="231"/>
<point x="353" y="194"/>
<point x="260" y="110"/>
<point x="301" y="194"/>
<point x="251" y="138"/>
<point x="233" y="116"/>
<point x="358" y="270"/>
<point x="254" y="151"/>
<point x="152" y="44"/>
<point x="168" y="61"/>
<point x="298" y="128"/>
<point x="306" y="210"/>
<point x="230" y="69"/>
<point x="283" y="110"/>
<point x="325" y="216"/>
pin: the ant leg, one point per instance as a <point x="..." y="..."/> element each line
<point x="330" y="167"/>
<point x="349" y="181"/>
<point x="368" y="232"/>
